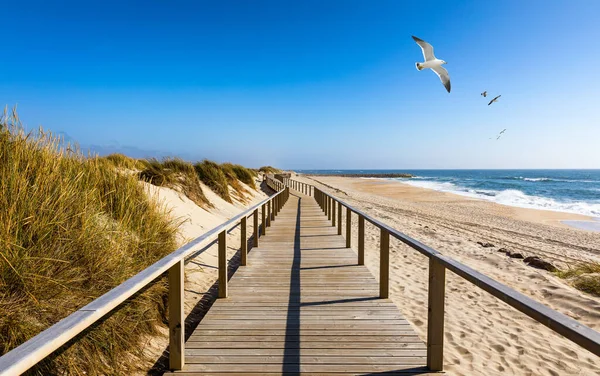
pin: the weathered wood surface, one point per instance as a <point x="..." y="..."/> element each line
<point x="303" y="305"/>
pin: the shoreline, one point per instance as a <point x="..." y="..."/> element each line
<point x="560" y="218"/>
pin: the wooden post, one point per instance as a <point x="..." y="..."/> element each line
<point x="384" y="264"/>
<point x="269" y="213"/>
<point x="339" y="218"/>
<point x="348" y="228"/>
<point x="263" y="227"/>
<point x="223" y="264"/>
<point x="255" y="227"/>
<point x="329" y="208"/>
<point x="244" y="241"/>
<point x="435" y="315"/>
<point x="361" y="240"/>
<point x="176" y="317"/>
<point x="333" y="213"/>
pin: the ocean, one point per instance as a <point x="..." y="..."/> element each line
<point x="571" y="191"/>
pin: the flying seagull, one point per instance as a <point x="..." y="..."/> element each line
<point x="432" y="62"/>
<point x="494" y="100"/>
<point x="484" y="94"/>
<point x="500" y="134"/>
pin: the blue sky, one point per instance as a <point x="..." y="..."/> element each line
<point x="312" y="84"/>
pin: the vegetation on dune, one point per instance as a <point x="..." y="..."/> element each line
<point x="175" y="173"/>
<point x="211" y="174"/>
<point x="243" y="174"/>
<point x="70" y="230"/>
<point x="233" y="181"/>
<point x="584" y="277"/>
<point x="269" y="170"/>
<point x="121" y="160"/>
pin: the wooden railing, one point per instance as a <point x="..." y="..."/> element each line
<point x="25" y="356"/>
<point x="574" y="331"/>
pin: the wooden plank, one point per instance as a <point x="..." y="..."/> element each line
<point x="303" y="305"/>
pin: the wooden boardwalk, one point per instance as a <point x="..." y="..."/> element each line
<point x="303" y="306"/>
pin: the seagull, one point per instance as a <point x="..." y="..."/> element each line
<point x="484" y="94"/>
<point x="432" y="62"/>
<point x="494" y="100"/>
<point x="504" y="130"/>
<point x="500" y="134"/>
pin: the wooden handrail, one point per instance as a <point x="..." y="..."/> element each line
<point x="28" y="354"/>
<point x="571" y="329"/>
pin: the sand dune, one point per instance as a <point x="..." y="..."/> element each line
<point x="484" y="336"/>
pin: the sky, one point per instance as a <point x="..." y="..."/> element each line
<point x="311" y="84"/>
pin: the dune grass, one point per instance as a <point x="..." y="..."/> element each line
<point x="175" y="173"/>
<point x="70" y="230"/>
<point x="269" y="170"/>
<point x="211" y="174"/>
<point x="233" y="181"/>
<point x="243" y="174"/>
<point x="123" y="161"/>
<point x="584" y="277"/>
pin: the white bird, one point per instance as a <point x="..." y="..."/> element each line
<point x="432" y="62"/>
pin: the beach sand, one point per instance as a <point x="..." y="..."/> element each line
<point x="483" y="335"/>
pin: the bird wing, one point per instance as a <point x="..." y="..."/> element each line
<point x="443" y="75"/>
<point x="426" y="47"/>
<point x="493" y="100"/>
<point x="503" y="131"/>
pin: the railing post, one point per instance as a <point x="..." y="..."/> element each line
<point x="435" y="315"/>
<point x="384" y="264"/>
<point x="269" y="213"/>
<point x="339" y="218"/>
<point x="348" y="228"/>
<point x="263" y="227"/>
<point x="361" y="240"/>
<point x="255" y="227"/>
<point x="244" y="241"/>
<point x="223" y="264"/>
<point x="176" y="317"/>
<point x="333" y="212"/>
<point x="328" y="208"/>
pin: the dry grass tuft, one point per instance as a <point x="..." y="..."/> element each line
<point x="70" y="230"/>
<point x="175" y="173"/>
<point x="584" y="277"/>
<point x="123" y="161"/>
<point x="243" y="174"/>
<point x="269" y="170"/>
<point x="211" y="174"/>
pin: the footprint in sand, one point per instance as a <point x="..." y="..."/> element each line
<point x="498" y="348"/>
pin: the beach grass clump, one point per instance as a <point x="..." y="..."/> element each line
<point x="584" y="277"/>
<point x="243" y="174"/>
<point x="123" y="161"/>
<point x="175" y="173"/>
<point x="211" y="174"/>
<point x="233" y="181"/>
<point x="269" y="170"/>
<point x="71" y="229"/>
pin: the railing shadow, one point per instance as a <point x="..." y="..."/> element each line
<point x="291" y="352"/>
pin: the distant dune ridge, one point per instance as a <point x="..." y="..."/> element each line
<point x="73" y="227"/>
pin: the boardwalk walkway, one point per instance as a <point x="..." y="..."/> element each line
<point x="303" y="305"/>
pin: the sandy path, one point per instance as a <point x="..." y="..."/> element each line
<point x="483" y="335"/>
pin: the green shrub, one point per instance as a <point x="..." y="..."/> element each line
<point x="71" y="228"/>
